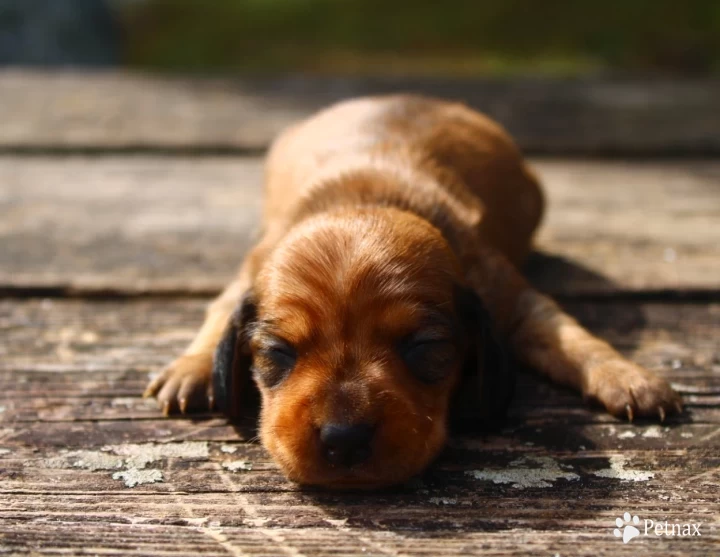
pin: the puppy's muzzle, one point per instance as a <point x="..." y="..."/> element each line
<point x="346" y="444"/>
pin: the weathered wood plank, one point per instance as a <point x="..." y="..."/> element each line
<point x="107" y="223"/>
<point x="33" y="457"/>
<point x="198" y="493"/>
<point x="629" y="226"/>
<point x="680" y="339"/>
<point x="556" y="405"/>
<point x="116" y="110"/>
<point x="70" y="360"/>
<point x="149" y="224"/>
<point x="335" y="539"/>
<point x="64" y="482"/>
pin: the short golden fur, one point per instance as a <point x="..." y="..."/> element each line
<point x="386" y="277"/>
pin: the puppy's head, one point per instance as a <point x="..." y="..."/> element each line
<point x="357" y="335"/>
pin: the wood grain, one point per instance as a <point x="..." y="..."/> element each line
<point x="69" y="111"/>
<point x="108" y="260"/>
<point x="166" y="225"/>
<point x="333" y="540"/>
<point x="72" y="371"/>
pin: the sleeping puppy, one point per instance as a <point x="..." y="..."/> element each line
<point x="385" y="295"/>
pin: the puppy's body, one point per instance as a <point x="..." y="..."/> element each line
<point x="387" y="220"/>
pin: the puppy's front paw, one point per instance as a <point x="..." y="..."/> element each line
<point x="186" y="384"/>
<point x="627" y="390"/>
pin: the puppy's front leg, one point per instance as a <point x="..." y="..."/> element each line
<point x="552" y="342"/>
<point x="187" y="382"/>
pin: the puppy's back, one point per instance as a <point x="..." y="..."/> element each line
<point x="465" y="153"/>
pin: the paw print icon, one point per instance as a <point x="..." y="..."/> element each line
<point x="625" y="527"/>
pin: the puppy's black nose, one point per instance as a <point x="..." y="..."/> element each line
<point x="346" y="444"/>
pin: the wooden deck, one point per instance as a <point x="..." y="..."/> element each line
<point x="126" y="202"/>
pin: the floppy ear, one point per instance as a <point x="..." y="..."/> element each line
<point x="233" y="387"/>
<point x="488" y="380"/>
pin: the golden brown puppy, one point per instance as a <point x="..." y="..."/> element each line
<point x="372" y="310"/>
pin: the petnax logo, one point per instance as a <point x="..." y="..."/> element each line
<point x="630" y="527"/>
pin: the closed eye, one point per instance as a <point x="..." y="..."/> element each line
<point x="428" y="357"/>
<point x="281" y="356"/>
<point x="276" y="358"/>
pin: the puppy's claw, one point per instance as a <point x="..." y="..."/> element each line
<point x="678" y="407"/>
<point x="629" y="411"/>
<point x="182" y="384"/>
<point x="630" y="391"/>
<point x="151" y="389"/>
<point x="211" y="402"/>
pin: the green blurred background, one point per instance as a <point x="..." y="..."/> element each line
<point x="445" y="37"/>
